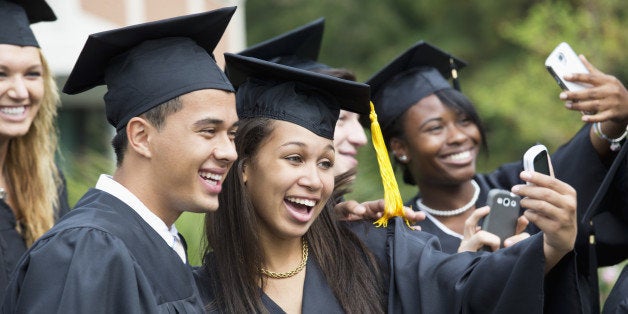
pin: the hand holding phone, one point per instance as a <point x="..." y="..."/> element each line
<point x="562" y="61"/>
<point x="537" y="159"/>
<point x="502" y="219"/>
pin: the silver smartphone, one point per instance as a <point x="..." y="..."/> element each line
<point x="562" y="61"/>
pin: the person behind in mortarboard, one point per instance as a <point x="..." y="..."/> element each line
<point x="435" y="135"/>
<point x="300" y="48"/>
<point x="174" y="113"/>
<point x="293" y="256"/>
<point x="32" y="189"/>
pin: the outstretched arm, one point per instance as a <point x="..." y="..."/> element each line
<point x="352" y="210"/>
<point x="605" y="102"/>
<point x="551" y="206"/>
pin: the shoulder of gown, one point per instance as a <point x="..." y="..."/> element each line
<point x="423" y="279"/>
<point x="105" y="260"/>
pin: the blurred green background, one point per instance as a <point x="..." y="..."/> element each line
<point x="504" y="42"/>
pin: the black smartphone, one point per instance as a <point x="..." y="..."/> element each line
<point x="502" y="219"/>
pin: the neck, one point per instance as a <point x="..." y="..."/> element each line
<point x="281" y="255"/>
<point x="446" y="197"/>
<point x="136" y="184"/>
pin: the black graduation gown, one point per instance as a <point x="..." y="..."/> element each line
<point x="422" y="279"/>
<point x="102" y="257"/>
<point x="617" y="301"/>
<point x="12" y="245"/>
<point x="578" y="164"/>
<point x="317" y="295"/>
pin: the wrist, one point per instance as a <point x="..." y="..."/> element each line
<point x="614" y="134"/>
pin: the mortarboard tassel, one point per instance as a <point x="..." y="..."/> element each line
<point x="392" y="197"/>
<point x="454" y="74"/>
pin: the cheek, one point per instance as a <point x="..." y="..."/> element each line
<point x="36" y="91"/>
<point x="328" y="184"/>
<point x="340" y="134"/>
<point x="426" y="145"/>
<point x="474" y="133"/>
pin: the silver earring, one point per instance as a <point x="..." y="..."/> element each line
<point x="403" y="158"/>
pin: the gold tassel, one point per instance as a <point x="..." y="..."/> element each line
<point x="392" y="197"/>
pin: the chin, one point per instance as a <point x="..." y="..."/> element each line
<point x="208" y="206"/>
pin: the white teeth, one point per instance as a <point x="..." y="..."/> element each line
<point x="212" y="177"/>
<point x="460" y="156"/>
<point x="13" y="111"/>
<point x="302" y="201"/>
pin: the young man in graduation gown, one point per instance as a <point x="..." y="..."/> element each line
<point x="174" y="112"/>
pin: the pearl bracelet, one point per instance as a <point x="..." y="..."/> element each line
<point x="615" y="142"/>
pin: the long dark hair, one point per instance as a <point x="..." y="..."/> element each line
<point x="233" y="234"/>
<point x="453" y="100"/>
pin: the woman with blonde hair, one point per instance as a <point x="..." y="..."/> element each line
<point x="32" y="192"/>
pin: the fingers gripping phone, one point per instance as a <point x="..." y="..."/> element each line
<point x="562" y="61"/>
<point x="537" y="159"/>
<point x="502" y="219"/>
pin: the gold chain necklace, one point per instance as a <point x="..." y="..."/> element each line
<point x="293" y="272"/>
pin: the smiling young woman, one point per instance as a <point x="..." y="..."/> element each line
<point x="435" y="135"/>
<point x="33" y="193"/>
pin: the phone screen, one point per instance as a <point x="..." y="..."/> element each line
<point x="541" y="163"/>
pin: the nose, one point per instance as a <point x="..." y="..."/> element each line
<point x="311" y="178"/>
<point x="456" y="134"/>
<point x="226" y="150"/>
<point x="18" y="89"/>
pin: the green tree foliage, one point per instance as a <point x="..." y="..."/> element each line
<point x="504" y="42"/>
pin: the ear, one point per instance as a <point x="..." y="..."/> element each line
<point x="138" y="132"/>
<point x="399" y="148"/>
<point x="245" y="167"/>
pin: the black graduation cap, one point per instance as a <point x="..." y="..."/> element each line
<point x="420" y="71"/>
<point x="148" y="64"/>
<point x="297" y="48"/>
<point x="309" y="99"/>
<point x="16" y="17"/>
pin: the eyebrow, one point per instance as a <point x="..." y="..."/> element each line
<point x="206" y="121"/>
<point x="301" y="144"/>
<point x="428" y="121"/>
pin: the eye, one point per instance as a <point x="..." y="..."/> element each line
<point x="326" y="164"/>
<point x="208" y="131"/>
<point x="33" y="74"/>
<point x="434" y="128"/>
<point x="465" y="120"/>
<point x="232" y="134"/>
<point x="295" y="159"/>
<point x="3" y="74"/>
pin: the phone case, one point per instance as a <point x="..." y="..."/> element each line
<point x="562" y="61"/>
<point x="502" y="220"/>
<point x="536" y="158"/>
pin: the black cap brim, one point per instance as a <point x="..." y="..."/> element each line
<point x="421" y="54"/>
<point x="353" y="96"/>
<point x="303" y="42"/>
<point x="16" y="18"/>
<point x="205" y="29"/>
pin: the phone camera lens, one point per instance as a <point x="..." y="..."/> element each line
<point x="506" y="202"/>
<point x="561" y="57"/>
